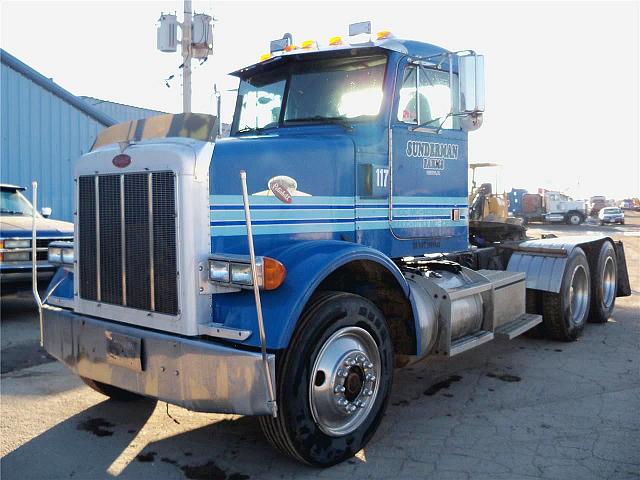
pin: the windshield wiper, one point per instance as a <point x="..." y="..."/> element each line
<point x="320" y="119"/>
<point x="11" y="212"/>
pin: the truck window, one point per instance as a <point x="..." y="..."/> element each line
<point x="424" y="96"/>
<point x="259" y="101"/>
<point x="336" y="87"/>
<point x="12" y="202"/>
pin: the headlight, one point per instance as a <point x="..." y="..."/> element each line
<point x="17" y="244"/>
<point x="54" y="255"/>
<point x="241" y="274"/>
<point x="236" y="271"/>
<point x="17" y="256"/>
<point x="218" y="271"/>
<point x="68" y="256"/>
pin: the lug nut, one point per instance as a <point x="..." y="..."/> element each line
<point x="343" y="402"/>
<point x="351" y="408"/>
<point x="362" y="404"/>
<point x="339" y="389"/>
<point x="368" y="393"/>
<point x="361" y="358"/>
<point x="370" y="377"/>
<point x="350" y="362"/>
<point x="342" y="372"/>
<point x="368" y="365"/>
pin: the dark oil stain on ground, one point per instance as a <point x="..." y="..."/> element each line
<point x="557" y="350"/>
<point x="168" y="460"/>
<point x="210" y="471"/>
<point x="146" y="457"/>
<point x="403" y="403"/>
<point x="436" y="387"/>
<point x="505" y="377"/>
<point x="97" y="426"/>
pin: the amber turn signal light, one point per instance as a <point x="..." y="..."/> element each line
<point x="274" y="273"/>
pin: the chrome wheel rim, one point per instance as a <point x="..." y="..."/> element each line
<point x="608" y="282"/>
<point x="575" y="220"/>
<point x="578" y="294"/>
<point x="343" y="385"/>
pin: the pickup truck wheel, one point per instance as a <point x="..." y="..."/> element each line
<point x="565" y="313"/>
<point x="114" y="393"/>
<point x="604" y="284"/>
<point x="333" y="381"/>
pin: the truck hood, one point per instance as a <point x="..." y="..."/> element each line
<point x="20" y="226"/>
<point x="318" y="164"/>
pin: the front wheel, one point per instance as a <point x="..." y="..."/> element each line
<point x="333" y="381"/>
<point x="574" y="218"/>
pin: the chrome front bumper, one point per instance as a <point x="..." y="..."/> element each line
<point x="193" y="373"/>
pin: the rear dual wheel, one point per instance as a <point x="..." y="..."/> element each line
<point x="333" y="381"/>
<point x="584" y="294"/>
<point x="604" y="284"/>
<point x="565" y="313"/>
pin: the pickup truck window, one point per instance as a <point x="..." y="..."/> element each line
<point x="425" y="96"/>
<point x="13" y="203"/>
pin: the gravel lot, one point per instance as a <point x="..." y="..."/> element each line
<point x="528" y="408"/>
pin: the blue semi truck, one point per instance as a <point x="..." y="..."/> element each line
<point x="285" y="271"/>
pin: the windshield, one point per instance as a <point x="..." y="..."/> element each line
<point x="612" y="210"/>
<point x="13" y="202"/>
<point x="317" y="91"/>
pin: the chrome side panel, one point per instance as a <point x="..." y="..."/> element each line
<point x="197" y="375"/>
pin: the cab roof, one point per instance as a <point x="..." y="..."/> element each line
<point x="413" y="48"/>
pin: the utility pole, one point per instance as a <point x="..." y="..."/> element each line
<point x="186" y="57"/>
<point x="196" y="42"/>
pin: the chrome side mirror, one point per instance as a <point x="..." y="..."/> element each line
<point x="470" y="91"/>
<point x="471" y="80"/>
<point x="46" y="212"/>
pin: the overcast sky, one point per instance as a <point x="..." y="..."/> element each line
<point x="562" y="79"/>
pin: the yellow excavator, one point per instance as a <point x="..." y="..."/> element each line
<point x="489" y="219"/>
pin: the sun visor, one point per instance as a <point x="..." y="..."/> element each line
<point x="189" y="125"/>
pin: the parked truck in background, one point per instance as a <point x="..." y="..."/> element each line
<point x="546" y="206"/>
<point x="596" y="203"/>
<point x="284" y="271"/>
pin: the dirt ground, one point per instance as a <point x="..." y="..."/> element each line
<point x="527" y="409"/>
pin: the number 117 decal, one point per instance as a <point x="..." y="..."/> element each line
<point x="381" y="177"/>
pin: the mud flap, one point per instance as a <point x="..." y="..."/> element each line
<point x="624" y="287"/>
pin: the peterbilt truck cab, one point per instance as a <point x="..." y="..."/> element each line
<point x="285" y="271"/>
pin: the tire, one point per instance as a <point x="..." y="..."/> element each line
<point x="312" y="424"/>
<point x="114" y="393"/>
<point x="574" y="218"/>
<point x="564" y="314"/>
<point x="604" y="283"/>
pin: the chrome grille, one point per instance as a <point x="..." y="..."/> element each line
<point x="127" y="240"/>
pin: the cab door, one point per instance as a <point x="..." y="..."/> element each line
<point x="428" y="158"/>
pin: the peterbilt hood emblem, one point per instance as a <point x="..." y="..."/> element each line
<point x="284" y="188"/>
<point x="122" y="160"/>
